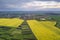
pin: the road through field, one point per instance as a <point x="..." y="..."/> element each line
<point x="44" y="31"/>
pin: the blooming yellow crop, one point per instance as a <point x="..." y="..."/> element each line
<point x="49" y="22"/>
<point x="42" y="31"/>
<point x="51" y="26"/>
<point x="13" y="22"/>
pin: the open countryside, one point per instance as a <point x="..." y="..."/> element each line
<point x="28" y="29"/>
<point x="29" y="19"/>
<point x="44" y="30"/>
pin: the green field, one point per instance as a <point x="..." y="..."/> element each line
<point x="15" y="29"/>
<point x="55" y="18"/>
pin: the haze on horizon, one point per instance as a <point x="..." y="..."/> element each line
<point x="29" y="5"/>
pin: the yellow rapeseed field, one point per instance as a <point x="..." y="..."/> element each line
<point x="44" y="30"/>
<point x="49" y="22"/>
<point x="50" y="25"/>
<point x="11" y="22"/>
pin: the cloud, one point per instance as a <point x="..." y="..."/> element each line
<point x="13" y="3"/>
<point x="41" y="5"/>
<point x="49" y="0"/>
<point x="29" y="4"/>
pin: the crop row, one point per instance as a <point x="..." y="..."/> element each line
<point x="43" y="30"/>
<point x="15" y="22"/>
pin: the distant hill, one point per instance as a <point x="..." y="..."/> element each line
<point x="31" y="12"/>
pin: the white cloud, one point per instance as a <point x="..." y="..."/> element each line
<point x="35" y="5"/>
<point x="41" y="5"/>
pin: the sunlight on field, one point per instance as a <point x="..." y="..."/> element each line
<point x="44" y="30"/>
<point x="49" y="22"/>
<point x="50" y="25"/>
<point x="11" y="22"/>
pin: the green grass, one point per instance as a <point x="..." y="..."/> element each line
<point x="22" y="32"/>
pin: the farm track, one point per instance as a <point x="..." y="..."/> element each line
<point x="26" y="32"/>
<point x="22" y="32"/>
<point x="43" y="31"/>
<point x="29" y="30"/>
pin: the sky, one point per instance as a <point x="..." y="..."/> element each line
<point x="29" y="5"/>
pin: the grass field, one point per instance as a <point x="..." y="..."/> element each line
<point x="55" y="18"/>
<point x="44" y="30"/>
<point x="13" y="22"/>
